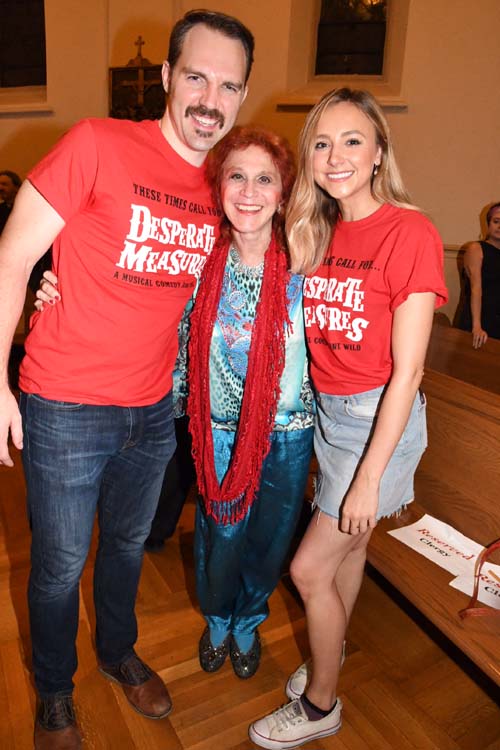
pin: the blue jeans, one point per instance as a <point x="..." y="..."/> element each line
<point x="78" y="459"/>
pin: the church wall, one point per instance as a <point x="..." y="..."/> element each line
<point x="446" y="139"/>
<point x="77" y="54"/>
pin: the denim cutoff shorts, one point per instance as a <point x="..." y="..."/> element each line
<point x="344" y="426"/>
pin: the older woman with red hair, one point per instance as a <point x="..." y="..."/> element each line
<point x="250" y="401"/>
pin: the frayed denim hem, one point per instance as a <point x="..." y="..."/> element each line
<point x="395" y="514"/>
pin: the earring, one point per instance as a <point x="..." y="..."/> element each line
<point x="280" y="208"/>
<point x="375" y="169"/>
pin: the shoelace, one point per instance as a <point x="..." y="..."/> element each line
<point x="135" y="671"/>
<point x="57" y="711"/>
<point x="289" y="715"/>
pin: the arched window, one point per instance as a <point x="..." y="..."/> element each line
<point x="22" y="43"/>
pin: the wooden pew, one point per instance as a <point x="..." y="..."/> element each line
<point x="450" y="352"/>
<point x="458" y="482"/>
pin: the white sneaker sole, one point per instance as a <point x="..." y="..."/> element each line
<point x="270" y="744"/>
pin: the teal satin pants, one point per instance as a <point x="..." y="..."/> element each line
<point x="238" y="566"/>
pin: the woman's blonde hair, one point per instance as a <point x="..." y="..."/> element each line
<point x="312" y="213"/>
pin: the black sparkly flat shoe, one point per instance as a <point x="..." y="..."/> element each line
<point x="246" y="664"/>
<point x="212" y="657"/>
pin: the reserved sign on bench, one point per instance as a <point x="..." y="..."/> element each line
<point x="448" y="548"/>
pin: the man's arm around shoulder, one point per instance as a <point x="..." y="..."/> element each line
<point x="32" y="227"/>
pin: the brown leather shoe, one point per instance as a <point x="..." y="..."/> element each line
<point x="55" y="726"/>
<point x="143" y="688"/>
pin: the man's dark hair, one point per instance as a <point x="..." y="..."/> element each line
<point x="226" y="25"/>
<point x="16" y="180"/>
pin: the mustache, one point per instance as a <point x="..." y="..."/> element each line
<point x="201" y="111"/>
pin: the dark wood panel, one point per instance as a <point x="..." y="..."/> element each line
<point x="450" y="352"/>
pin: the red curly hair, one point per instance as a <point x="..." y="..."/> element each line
<point x="282" y="156"/>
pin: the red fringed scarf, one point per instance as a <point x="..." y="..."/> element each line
<point x="229" y="502"/>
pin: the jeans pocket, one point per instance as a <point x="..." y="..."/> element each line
<point x="366" y="409"/>
<point x="51" y="404"/>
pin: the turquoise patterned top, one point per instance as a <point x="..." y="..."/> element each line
<point x="231" y="342"/>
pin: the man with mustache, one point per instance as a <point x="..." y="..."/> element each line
<point x="131" y="221"/>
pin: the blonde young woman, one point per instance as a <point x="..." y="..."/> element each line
<point x="374" y="276"/>
<point x="481" y="311"/>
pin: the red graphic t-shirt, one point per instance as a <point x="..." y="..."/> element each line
<point x="140" y="223"/>
<point x="370" y="268"/>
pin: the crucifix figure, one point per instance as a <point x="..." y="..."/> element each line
<point x="138" y="43"/>
<point x="141" y="88"/>
<point x="138" y="61"/>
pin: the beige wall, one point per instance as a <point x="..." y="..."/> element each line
<point x="77" y="54"/>
<point x="446" y="139"/>
<point x="153" y="19"/>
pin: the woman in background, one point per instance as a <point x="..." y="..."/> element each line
<point x="481" y="310"/>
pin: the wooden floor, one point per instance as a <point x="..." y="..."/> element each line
<point x="401" y="686"/>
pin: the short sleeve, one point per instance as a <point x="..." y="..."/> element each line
<point x="416" y="263"/>
<point x="66" y="175"/>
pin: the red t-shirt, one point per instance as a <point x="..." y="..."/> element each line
<point x="140" y="223"/>
<point x="370" y="268"/>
